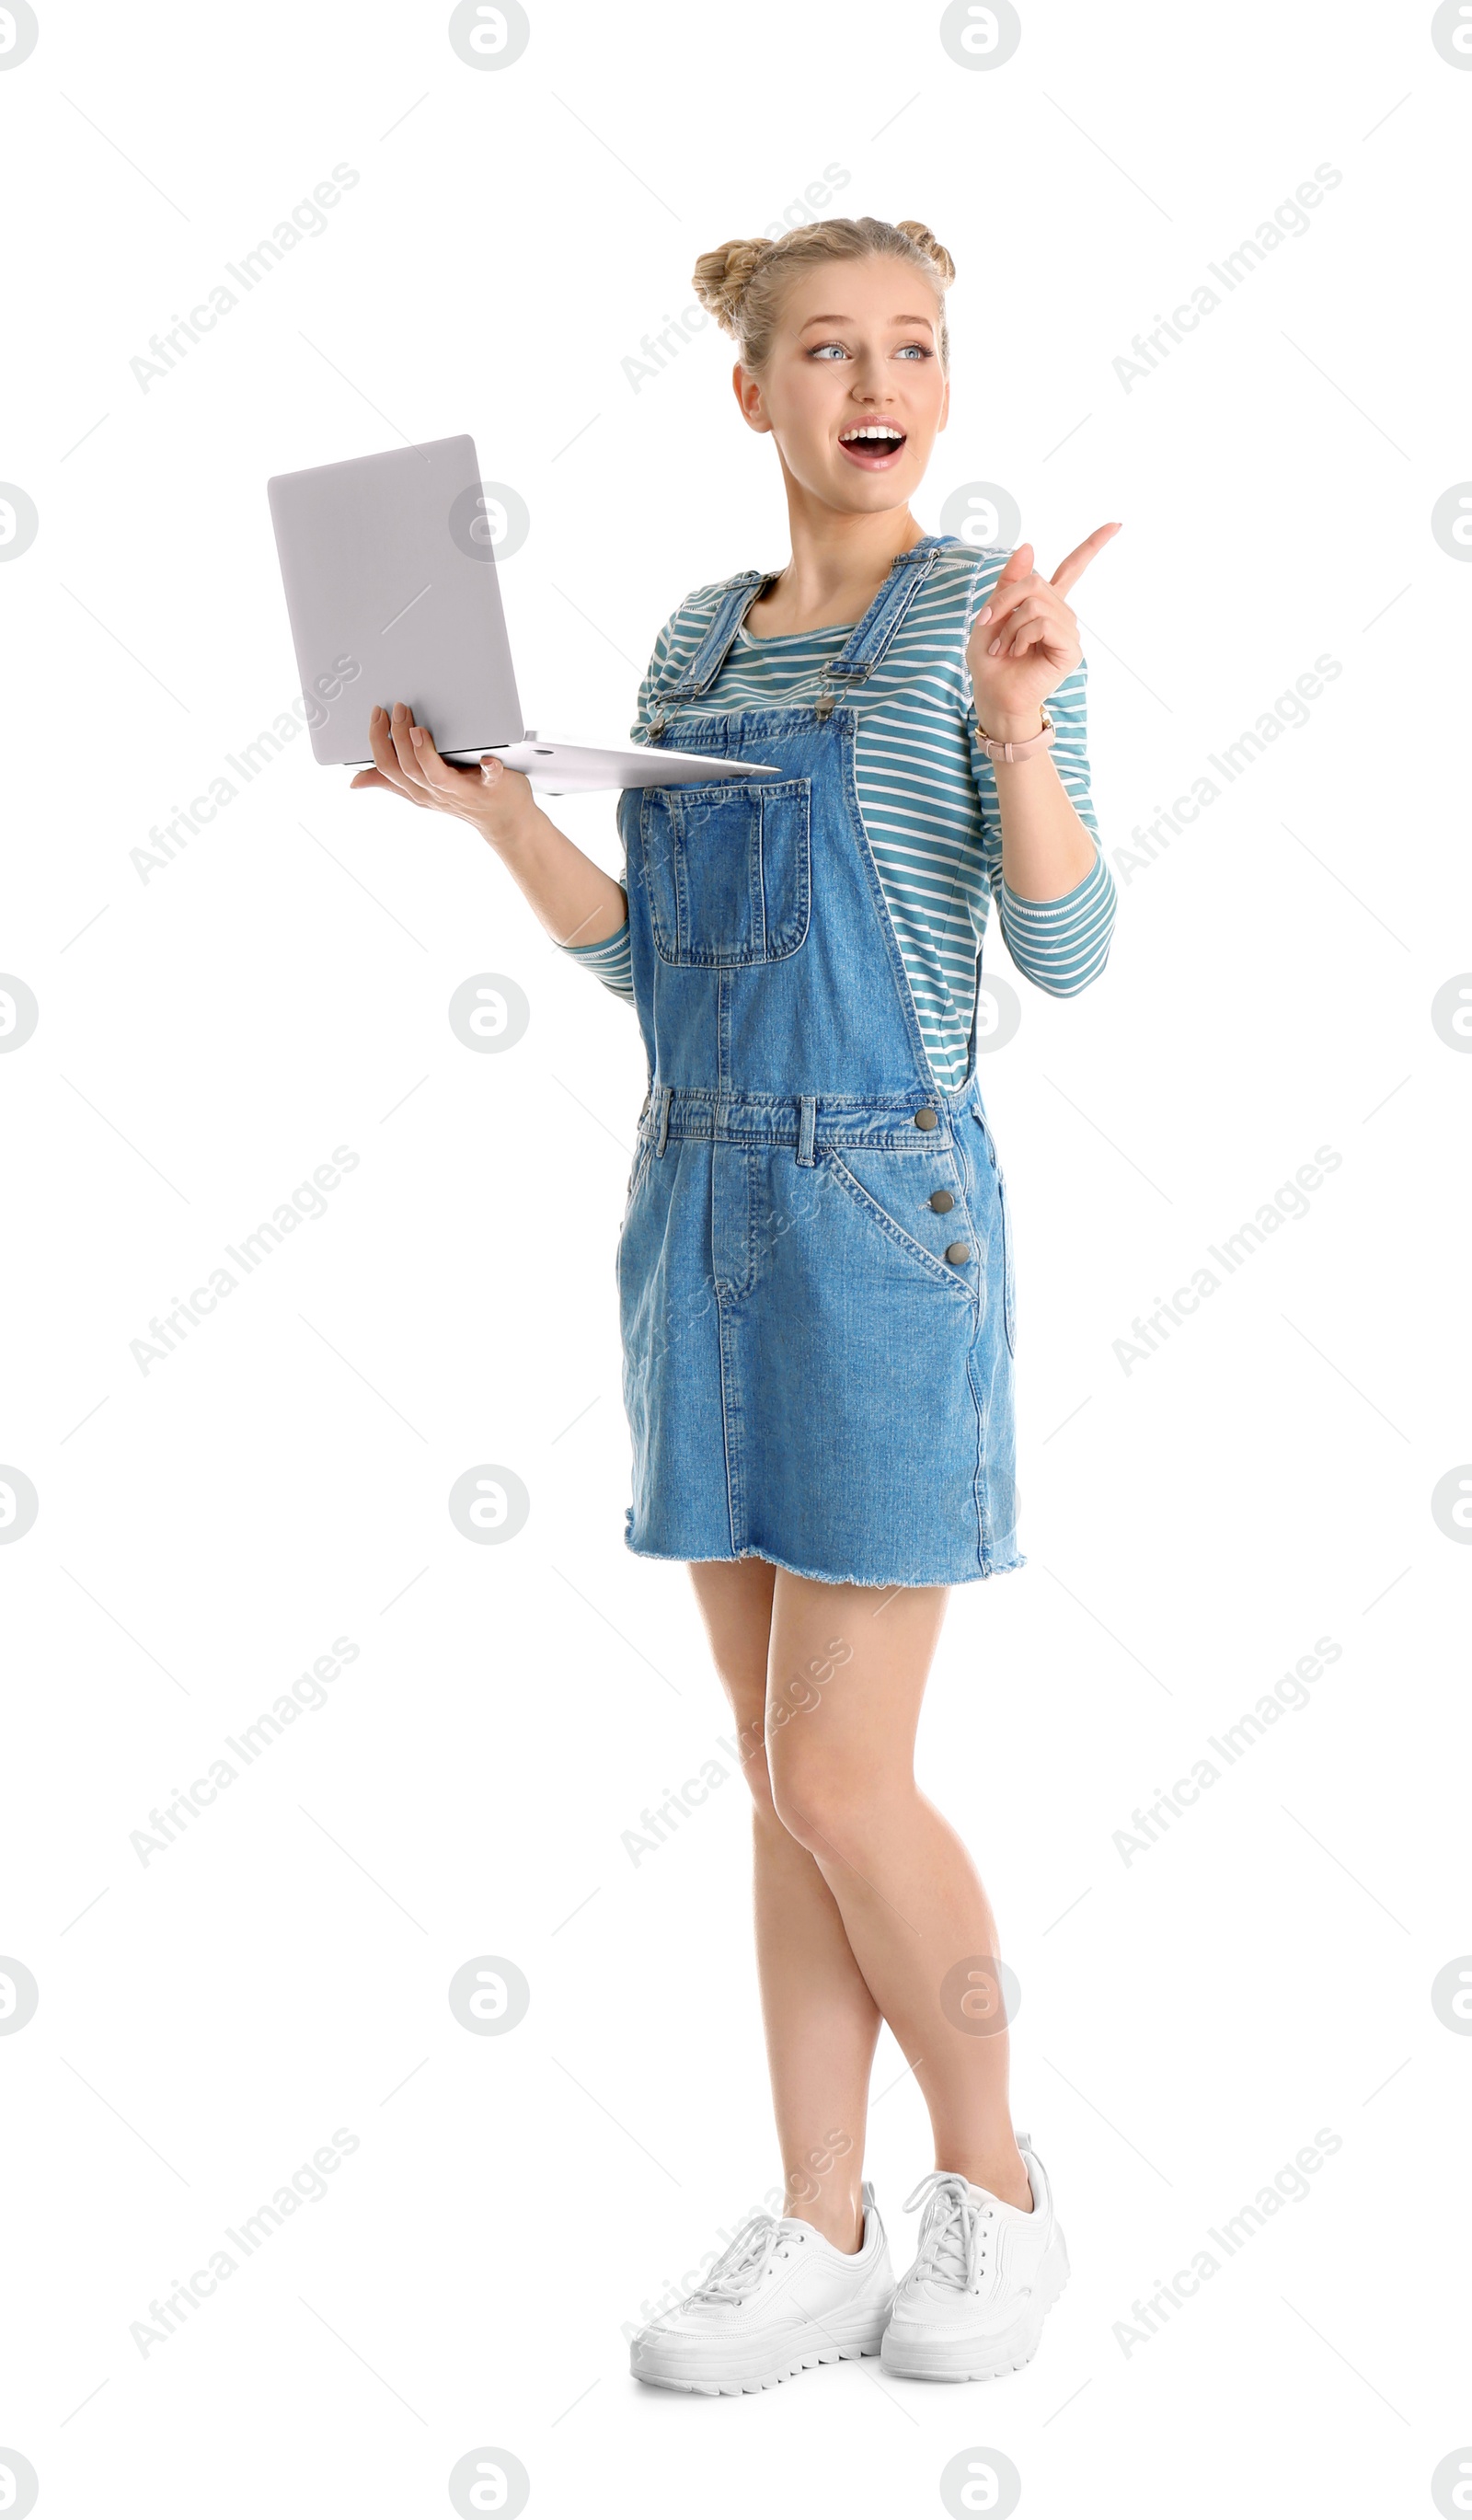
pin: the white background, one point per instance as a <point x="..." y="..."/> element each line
<point x="206" y="1038"/>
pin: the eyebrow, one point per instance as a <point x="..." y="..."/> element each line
<point x="849" y="319"/>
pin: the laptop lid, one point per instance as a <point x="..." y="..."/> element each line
<point x="389" y="571"/>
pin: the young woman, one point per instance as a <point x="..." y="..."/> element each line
<point x="815" y="1267"/>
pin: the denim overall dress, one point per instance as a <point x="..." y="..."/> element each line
<point x="814" y="1263"/>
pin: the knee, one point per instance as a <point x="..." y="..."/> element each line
<point x="828" y="1805"/>
<point x="750" y="1740"/>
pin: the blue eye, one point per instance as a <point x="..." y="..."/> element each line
<point x="908" y="349"/>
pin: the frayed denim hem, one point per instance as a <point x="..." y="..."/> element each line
<point x="823" y="1574"/>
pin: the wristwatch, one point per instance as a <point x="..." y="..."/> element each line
<point x="997" y="750"/>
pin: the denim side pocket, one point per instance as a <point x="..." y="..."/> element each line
<point x="637" y="1169"/>
<point x="887" y="1187"/>
<point x="1009" y="1268"/>
<point x="1008" y="1271"/>
<point x="641" y="1165"/>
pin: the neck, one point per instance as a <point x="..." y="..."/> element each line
<point x="838" y="563"/>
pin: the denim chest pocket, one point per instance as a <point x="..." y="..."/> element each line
<point x="728" y="869"/>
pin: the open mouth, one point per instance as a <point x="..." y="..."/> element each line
<point x="875" y="446"/>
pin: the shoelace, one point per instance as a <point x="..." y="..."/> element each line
<point x="952" y="2238"/>
<point x="743" y="2266"/>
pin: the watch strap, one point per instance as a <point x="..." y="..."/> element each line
<point x="997" y="748"/>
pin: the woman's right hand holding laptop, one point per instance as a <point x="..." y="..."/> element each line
<point x="576" y="902"/>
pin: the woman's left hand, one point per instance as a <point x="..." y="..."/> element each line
<point x="1025" y="639"/>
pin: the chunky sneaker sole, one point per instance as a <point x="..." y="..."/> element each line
<point x="940" y="2358"/>
<point x="836" y="2339"/>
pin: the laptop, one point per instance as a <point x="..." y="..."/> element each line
<point x="389" y="568"/>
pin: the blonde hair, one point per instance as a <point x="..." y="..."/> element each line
<point x="744" y="282"/>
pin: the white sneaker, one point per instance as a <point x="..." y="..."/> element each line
<point x="972" y="2305"/>
<point x="781" y="2299"/>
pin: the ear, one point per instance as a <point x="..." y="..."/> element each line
<point x="748" y="394"/>
<point x="945" y="408"/>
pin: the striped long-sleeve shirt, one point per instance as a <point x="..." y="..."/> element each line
<point x="927" y="794"/>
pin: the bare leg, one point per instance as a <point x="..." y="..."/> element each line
<point x="822" y="2022"/>
<point x="850" y="1663"/>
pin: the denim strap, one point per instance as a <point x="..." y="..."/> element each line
<point x="880" y="624"/>
<point x="864" y="651"/>
<point x="712" y="652"/>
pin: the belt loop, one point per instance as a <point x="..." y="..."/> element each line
<point x="808" y="1108"/>
<point x="666" y="1093"/>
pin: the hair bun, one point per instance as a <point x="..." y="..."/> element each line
<point x="721" y="278"/>
<point x="920" y="235"/>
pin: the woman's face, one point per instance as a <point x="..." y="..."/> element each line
<point x="857" y="348"/>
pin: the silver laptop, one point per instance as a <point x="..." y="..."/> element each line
<point x="389" y="569"/>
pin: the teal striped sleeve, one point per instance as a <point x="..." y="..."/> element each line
<point x="1059" y="945"/>
<point x="608" y="958"/>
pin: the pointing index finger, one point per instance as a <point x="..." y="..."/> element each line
<point x="1073" y="568"/>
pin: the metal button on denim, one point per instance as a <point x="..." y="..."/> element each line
<point x="942" y="1201"/>
<point x="958" y="1253"/>
<point x="924" y="1119"/>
